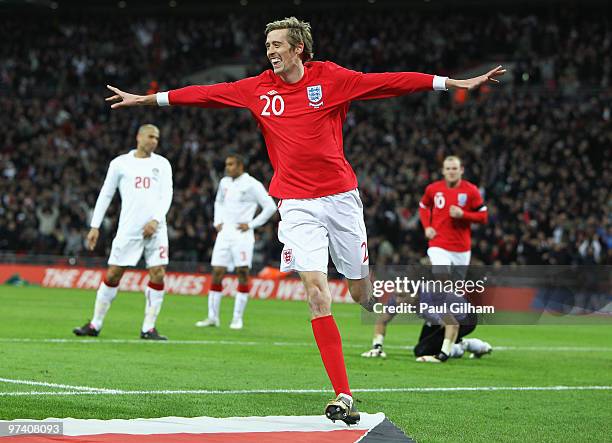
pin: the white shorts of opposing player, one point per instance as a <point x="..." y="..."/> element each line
<point x="126" y="251"/>
<point x="233" y="248"/>
<point x="313" y="229"/>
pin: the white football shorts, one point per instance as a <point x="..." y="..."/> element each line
<point x="313" y="229"/>
<point x="127" y="251"/>
<point x="442" y="260"/>
<point x="233" y="249"/>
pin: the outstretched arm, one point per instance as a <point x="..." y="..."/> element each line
<point x="475" y="82"/>
<point x="122" y="99"/>
<point x="219" y="95"/>
<point x="359" y="86"/>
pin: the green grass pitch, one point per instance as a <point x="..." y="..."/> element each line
<point x="276" y="350"/>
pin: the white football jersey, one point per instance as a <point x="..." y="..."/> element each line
<point x="145" y="186"/>
<point x="237" y="200"/>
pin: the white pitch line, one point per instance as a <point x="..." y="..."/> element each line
<point x="93" y="341"/>
<point x="54" y="385"/>
<point x="102" y="341"/>
<point x="311" y="391"/>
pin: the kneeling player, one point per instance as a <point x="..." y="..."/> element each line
<point x="442" y="335"/>
<point x="144" y="180"/>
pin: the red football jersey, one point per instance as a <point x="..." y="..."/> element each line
<point x="302" y="122"/>
<point x="452" y="234"/>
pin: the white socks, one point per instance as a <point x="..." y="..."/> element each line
<point x="154" y="298"/>
<point x="104" y="298"/>
<point x="379" y="339"/>
<point x="239" y="304"/>
<point x="214" y="304"/>
<point x="447" y="346"/>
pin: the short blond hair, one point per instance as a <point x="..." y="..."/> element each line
<point x="147" y="126"/>
<point x="298" y="32"/>
<point x="452" y="157"/>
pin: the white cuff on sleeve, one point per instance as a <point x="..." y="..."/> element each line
<point x="163" y="100"/>
<point x="439" y="84"/>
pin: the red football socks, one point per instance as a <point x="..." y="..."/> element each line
<point x="330" y="346"/>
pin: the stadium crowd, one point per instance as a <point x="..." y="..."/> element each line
<point x="538" y="147"/>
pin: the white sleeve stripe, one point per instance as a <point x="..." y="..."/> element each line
<point x="162" y="99"/>
<point x="439" y="83"/>
<point x="421" y="205"/>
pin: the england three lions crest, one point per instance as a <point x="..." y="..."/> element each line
<point x="462" y="199"/>
<point x="315" y="96"/>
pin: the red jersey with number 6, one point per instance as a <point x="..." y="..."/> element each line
<point x="452" y="234"/>
<point x="302" y="122"/>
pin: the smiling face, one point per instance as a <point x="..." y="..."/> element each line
<point x="284" y="58"/>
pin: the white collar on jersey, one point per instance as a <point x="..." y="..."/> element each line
<point x="244" y="174"/>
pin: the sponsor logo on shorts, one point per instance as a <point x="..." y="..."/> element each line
<point x="287" y="255"/>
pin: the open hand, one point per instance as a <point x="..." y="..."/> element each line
<point x="475" y="82"/>
<point x="122" y="99"/>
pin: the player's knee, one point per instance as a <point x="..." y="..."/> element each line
<point x="243" y="274"/>
<point x="217" y="275"/>
<point x="318" y="300"/>
<point x="157" y="274"/>
<point x="114" y="274"/>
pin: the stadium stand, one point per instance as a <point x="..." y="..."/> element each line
<point x="539" y="147"/>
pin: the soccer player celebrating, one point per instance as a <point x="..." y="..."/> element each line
<point x="144" y="180"/>
<point x="300" y="107"/>
<point x="237" y="199"/>
<point x="447" y="210"/>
